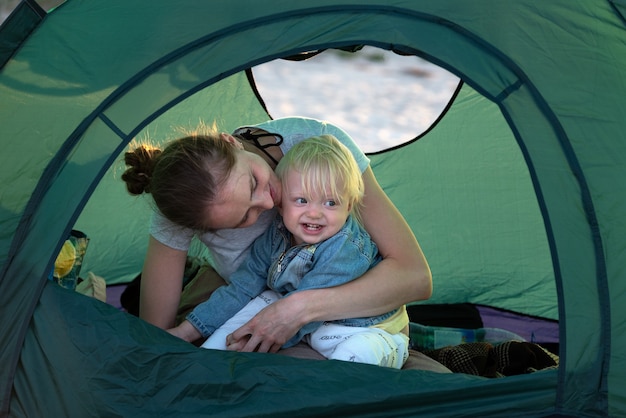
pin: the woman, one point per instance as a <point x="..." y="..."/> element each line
<point x="222" y="188"/>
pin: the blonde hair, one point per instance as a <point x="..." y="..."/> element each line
<point x="325" y="164"/>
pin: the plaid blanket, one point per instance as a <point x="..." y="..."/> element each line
<point x="488" y="360"/>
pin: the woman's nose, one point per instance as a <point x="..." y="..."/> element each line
<point x="267" y="202"/>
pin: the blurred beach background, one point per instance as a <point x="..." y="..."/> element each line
<point x="380" y="98"/>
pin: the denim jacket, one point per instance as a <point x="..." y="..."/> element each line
<point x="274" y="264"/>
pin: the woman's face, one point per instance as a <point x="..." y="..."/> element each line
<point x="251" y="188"/>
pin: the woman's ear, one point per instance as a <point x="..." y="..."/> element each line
<point x="231" y="139"/>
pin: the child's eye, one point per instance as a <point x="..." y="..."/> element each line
<point x="330" y="203"/>
<point x="301" y="201"/>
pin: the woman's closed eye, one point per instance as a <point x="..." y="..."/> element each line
<point x="253" y="185"/>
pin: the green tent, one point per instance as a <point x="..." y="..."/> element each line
<point x="516" y="195"/>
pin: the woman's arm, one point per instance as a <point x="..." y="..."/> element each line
<point x="403" y="276"/>
<point x="161" y="284"/>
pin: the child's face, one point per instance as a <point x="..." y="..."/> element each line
<point x="311" y="219"/>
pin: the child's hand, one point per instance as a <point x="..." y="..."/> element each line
<point x="236" y="345"/>
<point x="185" y="331"/>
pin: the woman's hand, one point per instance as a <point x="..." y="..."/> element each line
<point x="270" y="328"/>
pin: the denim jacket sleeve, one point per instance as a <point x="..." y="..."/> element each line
<point x="247" y="282"/>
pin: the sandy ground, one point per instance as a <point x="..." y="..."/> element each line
<point x="378" y="97"/>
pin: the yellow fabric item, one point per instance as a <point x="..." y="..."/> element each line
<point x="396" y="323"/>
<point x="65" y="260"/>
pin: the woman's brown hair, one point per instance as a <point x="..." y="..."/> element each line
<point x="183" y="178"/>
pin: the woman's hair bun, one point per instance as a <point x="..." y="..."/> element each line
<point x="140" y="164"/>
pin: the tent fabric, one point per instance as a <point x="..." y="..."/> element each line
<point x="515" y="195"/>
<point x="117" y="365"/>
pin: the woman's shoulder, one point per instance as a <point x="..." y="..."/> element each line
<point x="168" y="233"/>
<point x="294" y="129"/>
<point x="299" y="126"/>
